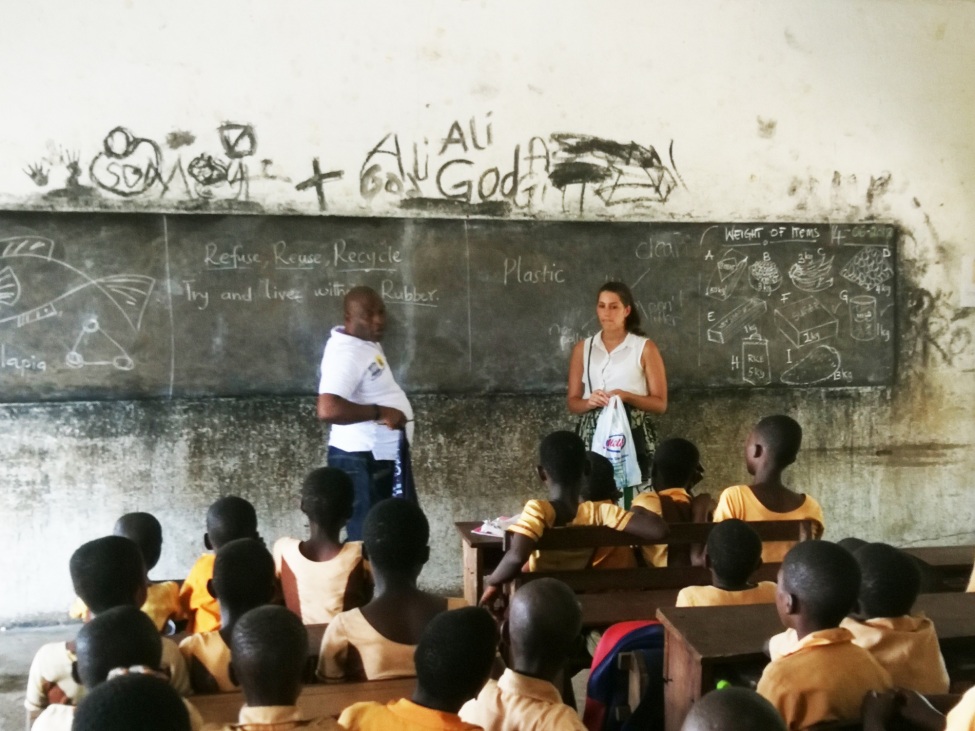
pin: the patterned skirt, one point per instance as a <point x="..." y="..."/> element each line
<point x="643" y="429"/>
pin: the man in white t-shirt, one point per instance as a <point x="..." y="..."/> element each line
<point x="361" y="400"/>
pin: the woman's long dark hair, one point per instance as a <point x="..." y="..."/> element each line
<point x="632" y="322"/>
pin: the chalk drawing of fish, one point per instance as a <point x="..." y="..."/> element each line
<point x="27" y="259"/>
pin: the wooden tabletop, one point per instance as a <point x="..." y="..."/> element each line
<point x="466" y="528"/>
<point x="945" y="557"/>
<point x="717" y="634"/>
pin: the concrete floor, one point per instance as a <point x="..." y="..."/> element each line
<point x="17" y="648"/>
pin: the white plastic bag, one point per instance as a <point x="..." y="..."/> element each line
<point x="614" y="441"/>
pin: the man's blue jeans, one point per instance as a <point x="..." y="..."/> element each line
<point x="372" y="479"/>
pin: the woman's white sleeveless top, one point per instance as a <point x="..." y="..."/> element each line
<point x="620" y="369"/>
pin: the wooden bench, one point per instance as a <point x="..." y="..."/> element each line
<point x="617" y="595"/>
<point x="328" y="699"/>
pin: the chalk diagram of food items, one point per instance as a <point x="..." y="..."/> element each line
<point x="746" y="284"/>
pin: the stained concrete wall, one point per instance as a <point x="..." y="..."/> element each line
<point x="827" y="111"/>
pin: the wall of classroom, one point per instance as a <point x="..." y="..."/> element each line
<point x="839" y="111"/>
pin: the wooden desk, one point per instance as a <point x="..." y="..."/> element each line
<point x="703" y="642"/>
<point x="481" y="555"/>
<point x="952" y="563"/>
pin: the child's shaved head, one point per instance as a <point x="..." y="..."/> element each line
<point x="562" y="454"/>
<point x="824" y="578"/>
<point x="544" y="621"/>
<point x="890" y="581"/>
<point x="121" y="637"/>
<point x="396" y="535"/>
<point x="733" y="709"/>
<point x="230" y="518"/>
<point x="454" y="656"/>
<point x="674" y="463"/>
<point x="734" y="550"/>
<point x="601" y="484"/>
<point x="243" y="574"/>
<point x="781" y="436"/>
<point x="327" y="495"/>
<point x="108" y="572"/>
<point x="145" y="531"/>
<point x="269" y="650"/>
<point x="134" y="702"/>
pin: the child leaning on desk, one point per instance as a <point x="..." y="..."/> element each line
<point x="563" y="468"/>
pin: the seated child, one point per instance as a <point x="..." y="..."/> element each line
<point x="269" y="647"/>
<point x="600" y="489"/>
<point x="734" y="552"/>
<point x="770" y="448"/>
<point x="106" y="572"/>
<point x="378" y="640"/>
<point x="733" y="709"/>
<point x="453" y="660"/>
<point x="162" y="600"/>
<point x="908" y="709"/>
<point x="544" y="621"/>
<point x="563" y="468"/>
<point x="824" y="676"/>
<point x="243" y="578"/>
<point x="905" y="645"/>
<point x="323" y="576"/>
<point x="675" y="469"/>
<point x="133" y="702"/>
<point x="228" y="519"/>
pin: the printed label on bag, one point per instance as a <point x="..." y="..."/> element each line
<point x="615" y="442"/>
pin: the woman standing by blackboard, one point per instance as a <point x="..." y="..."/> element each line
<point x="618" y="361"/>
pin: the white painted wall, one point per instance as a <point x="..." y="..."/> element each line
<point x="776" y="109"/>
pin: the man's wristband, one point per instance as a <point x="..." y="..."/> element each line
<point x="376" y="413"/>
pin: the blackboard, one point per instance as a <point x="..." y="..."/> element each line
<point x="97" y="306"/>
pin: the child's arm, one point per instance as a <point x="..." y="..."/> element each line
<point x="514" y="558"/>
<point x="646" y="525"/>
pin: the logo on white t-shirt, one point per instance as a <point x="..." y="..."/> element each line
<point x="375" y="368"/>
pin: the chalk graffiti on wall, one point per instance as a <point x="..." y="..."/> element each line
<point x="460" y="168"/>
<point x="935" y="330"/>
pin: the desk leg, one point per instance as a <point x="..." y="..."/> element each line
<point x="473" y="573"/>
<point x="682" y="680"/>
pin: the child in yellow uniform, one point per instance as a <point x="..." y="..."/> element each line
<point x="106" y="572"/>
<point x="322" y="576"/>
<point x="824" y="676"/>
<point x="453" y="660"/>
<point x="905" y="644"/>
<point x="162" y="599"/>
<point x="121" y="640"/>
<point x="733" y="708"/>
<point x="243" y="579"/>
<point x="228" y="519"/>
<point x="600" y="489"/>
<point x="132" y="702"/>
<point x="269" y="646"/>
<point x="543" y="623"/>
<point x="378" y="640"/>
<point x="675" y="469"/>
<point x="734" y="552"/>
<point x="564" y="469"/>
<point x="770" y="448"/>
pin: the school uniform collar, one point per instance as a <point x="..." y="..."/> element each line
<point x="678" y="493"/>
<point x="269" y="715"/>
<point x="529" y="687"/>
<point x="423" y="717"/>
<point x="821" y="638"/>
<point x="906" y="623"/>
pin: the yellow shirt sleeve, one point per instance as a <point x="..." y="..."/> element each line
<point x="534" y="519"/>
<point x="649" y="501"/>
<point x="611" y="516"/>
<point x="729" y="505"/>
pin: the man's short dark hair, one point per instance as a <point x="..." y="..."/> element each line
<point x="455" y="654"/>
<point x="396" y="535"/>
<point x="130" y="703"/>
<point x="144" y="529"/>
<point x="825" y="578"/>
<point x="890" y="580"/>
<point x="107" y="572"/>
<point x="782" y="436"/>
<point x="675" y="461"/>
<point x="120" y="637"/>
<point x="243" y="574"/>
<point x="327" y="496"/>
<point x="734" y="550"/>
<point x="230" y="518"/>
<point x="562" y="455"/>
